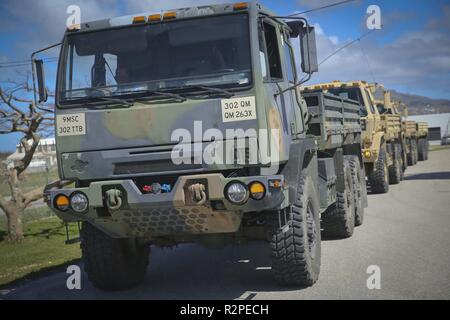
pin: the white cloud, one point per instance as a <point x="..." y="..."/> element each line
<point x="416" y="61"/>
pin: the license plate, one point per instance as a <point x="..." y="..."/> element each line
<point x="238" y="109"/>
<point x="71" y="124"/>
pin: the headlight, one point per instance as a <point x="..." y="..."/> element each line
<point x="237" y="193"/>
<point x="79" y="202"/>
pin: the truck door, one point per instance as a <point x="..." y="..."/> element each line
<point x="276" y="77"/>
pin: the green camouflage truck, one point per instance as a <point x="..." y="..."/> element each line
<point x="148" y="105"/>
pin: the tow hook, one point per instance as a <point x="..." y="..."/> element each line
<point x="114" y="199"/>
<point x="198" y="193"/>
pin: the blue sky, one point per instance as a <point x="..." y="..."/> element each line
<point x="410" y="54"/>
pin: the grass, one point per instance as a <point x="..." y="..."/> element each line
<point x="437" y="148"/>
<point x="42" y="249"/>
<point x="30" y="181"/>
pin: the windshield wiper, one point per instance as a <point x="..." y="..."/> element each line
<point x="209" y="89"/>
<point x="114" y="101"/>
<point x="177" y="97"/>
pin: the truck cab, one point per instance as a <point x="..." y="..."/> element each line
<point x="188" y="125"/>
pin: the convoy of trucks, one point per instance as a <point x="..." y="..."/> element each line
<point x="296" y="170"/>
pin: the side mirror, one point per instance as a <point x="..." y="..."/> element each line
<point x="308" y="50"/>
<point x="42" y="90"/>
<point x="295" y="27"/>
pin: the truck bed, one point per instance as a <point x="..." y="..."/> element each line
<point x="335" y="121"/>
<point x="410" y="129"/>
<point x="392" y="126"/>
<point x="422" y="129"/>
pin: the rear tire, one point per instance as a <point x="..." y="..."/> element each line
<point x="112" y="264"/>
<point x="396" y="169"/>
<point x="357" y="189"/>
<point x="339" y="220"/>
<point x="421" y="150"/>
<point x="296" y="246"/>
<point x="379" y="178"/>
<point x="415" y="152"/>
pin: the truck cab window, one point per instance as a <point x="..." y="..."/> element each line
<point x="273" y="53"/>
<point x="372" y="108"/>
<point x="289" y="60"/>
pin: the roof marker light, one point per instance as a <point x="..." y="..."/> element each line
<point x="170" y="15"/>
<point x="139" y="19"/>
<point x="240" y="6"/>
<point x="154" y="18"/>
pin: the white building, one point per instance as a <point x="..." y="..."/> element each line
<point x="438" y="124"/>
<point x="44" y="158"/>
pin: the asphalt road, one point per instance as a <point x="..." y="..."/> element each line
<point x="406" y="233"/>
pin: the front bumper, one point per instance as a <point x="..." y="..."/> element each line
<point x="173" y="213"/>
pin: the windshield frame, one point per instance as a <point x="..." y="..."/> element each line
<point x="64" y="57"/>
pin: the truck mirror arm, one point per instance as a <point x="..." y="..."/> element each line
<point x="33" y="67"/>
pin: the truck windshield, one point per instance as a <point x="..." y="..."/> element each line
<point x="353" y="94"/>
<point x="211" y="51"/>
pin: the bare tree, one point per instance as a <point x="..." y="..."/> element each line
<point x="19" y="114"/>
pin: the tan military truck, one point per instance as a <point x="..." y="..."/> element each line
<point x="391" y="123"/>
<point x="422" y="141"/>
<point x="374" y="147"/>
<point x="410" y="129"/>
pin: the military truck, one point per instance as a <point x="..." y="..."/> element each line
<point x="391" y="123"/>
<point x="377" y="160"/>
<point x="129" y="90"/>
<point x="422" y="141"/>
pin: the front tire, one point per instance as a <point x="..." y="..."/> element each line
<point x="296" y="246"/>
<point x="112" y="264"/>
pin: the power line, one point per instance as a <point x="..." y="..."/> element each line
<point x="368" y="61"/>
<point x="321" y="8"/>
<point x="346" y="46"/>
<point x="27" y="63"/>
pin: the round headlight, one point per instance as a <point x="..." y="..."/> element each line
<point x="237" y="193"/>
<point x="79" y="202"/>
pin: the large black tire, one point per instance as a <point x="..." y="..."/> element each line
<point x="415" y="152"/>
<point x="396" y="169"/>
<point x="427" y="149"/>
<point x="357" y="189"/>
<point x="410" y="157"/>
<point x="339" y="220"/>
<point x="112" y="264"/>
<point x="422" y="150"/>
<point x="296" y="246"/>
<point x="379" y="177"/>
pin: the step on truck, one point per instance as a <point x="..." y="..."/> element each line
<point x="189" y="126"/>
<point x="377" y="160"/>
<point x="391" y="123"/>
